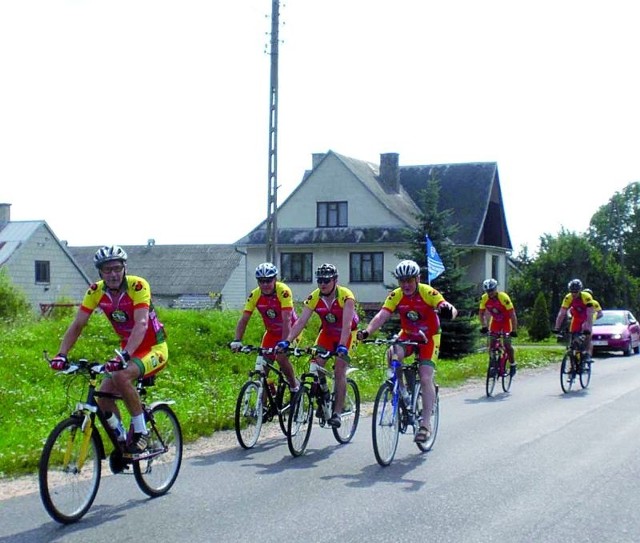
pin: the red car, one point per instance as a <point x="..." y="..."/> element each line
<point x="616" y="330"/>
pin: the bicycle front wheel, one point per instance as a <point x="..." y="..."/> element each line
<point x="350" y="414"/>
<point x="248" y="416"/>
<point x="585" y="374"/>
<point x="385" y="428"/>
<point x="69" y="471"/>
<point x="492" y="375"/>
<point x="567" y="374"/>
<point x="300" y="422"/>
<point x="156" y="473"/>
<point x="284" y="408"/>
<point x="433" y="422"/>
<point x="507" y="376"/>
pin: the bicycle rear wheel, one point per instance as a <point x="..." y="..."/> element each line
<point x="385" y="428"/>
<point x="156" y="474"/>
<point x="69" y="479"/>
<point x="300" y="422"/>
<point x="507" y="377"/>
<point x="585" y="374"/>
<point x="434" y="419"/>
<point x="248" y="416"/>
<point x="567" y="375"/>
<point x="492" y="374"/>
<point x="350" y="414"/>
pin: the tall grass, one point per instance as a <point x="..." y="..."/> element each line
<point x="203" y="376"/>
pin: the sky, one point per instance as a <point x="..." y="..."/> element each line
<point x="125" y="121"/>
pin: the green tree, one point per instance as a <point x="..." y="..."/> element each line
<point x="458" y="336"/>
<point x="539" y="328"/>
<point x="13" y="302"/>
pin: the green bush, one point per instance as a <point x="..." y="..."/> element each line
<point x="14" y="304"/>
<point x="539" y="328"/>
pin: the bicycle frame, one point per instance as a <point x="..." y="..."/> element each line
<point x="574" y="363"/>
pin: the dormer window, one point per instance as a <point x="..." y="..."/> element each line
<point x="332" y="214"/>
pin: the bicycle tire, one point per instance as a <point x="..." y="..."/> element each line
<point x="156" y="474"/>
<point x="284" y="407"/>
<point x="300" y="422"/>
<point x="350" y="414"/>
<point x="434" y="419"/>
<point x="507" y="377"/>
<point x="67" y="491"/>
<point x="492" y="374"/>
<point x="385" y="427"/>
<point x="585" y="374"/>
<point x="567" y="376"/>
<point x="248" y="414"/>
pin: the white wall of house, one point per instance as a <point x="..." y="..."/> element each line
<point x="66" y="281"/>
<point x="234" y="293"/>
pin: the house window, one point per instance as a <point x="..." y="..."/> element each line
<point x="495" y="267"/>
<point x="331" y="214"/>
<point x="366" y="267"/>
<point x="42" y="271"/>
<point x="296" y="267"/>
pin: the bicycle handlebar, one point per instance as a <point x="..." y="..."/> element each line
<point x="81" y="365"/>
<point x="394" y="341"/>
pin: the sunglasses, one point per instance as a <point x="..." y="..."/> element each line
<point x="265" y="281"/>
<point x="324" y="280"/>
<point x="112" y="269"/>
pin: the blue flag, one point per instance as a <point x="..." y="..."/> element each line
<point x="435" y="267"/>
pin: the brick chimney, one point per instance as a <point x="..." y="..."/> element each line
<point x="5" y="213"/>
<point x="390" y="172"/>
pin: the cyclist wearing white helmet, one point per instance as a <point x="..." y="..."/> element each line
<point x="126" y="302"/>
<point x="336" y="307"/>
<point x="578" y="303"/>
<point x="274" y="301"/>
<point x="497" y="314"/>
<point x="418" y="305"/>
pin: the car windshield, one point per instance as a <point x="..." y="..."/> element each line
<point x="609" y="319"/>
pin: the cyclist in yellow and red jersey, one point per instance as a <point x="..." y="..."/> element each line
<point x="274" y="301"/>
<point x="497" y="314"/>
<point x="416" y="303"/>
<point x="126" y="302"/>
<point x="336" y="307"/>
<point x="579" y="304"/>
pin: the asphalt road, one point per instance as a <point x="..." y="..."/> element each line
<point x="535" y="465"/>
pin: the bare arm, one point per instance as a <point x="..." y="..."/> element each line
<point x="141" y="322"/>
<point x="347" y="319"/>
<point x="560" y="318"/>
<point x="299" y="324"/>
<point x="242" y="325"/>
<point x="380" y="318"/>
<point x="73" y="332"/>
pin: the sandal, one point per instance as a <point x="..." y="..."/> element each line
<point x="422" y="434"/>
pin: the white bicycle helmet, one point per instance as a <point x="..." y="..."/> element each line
<point x="109" y="253"/>
<point x="266" y="270"/>
<point x="407" y="269"/>
<point x="489" y="284"/>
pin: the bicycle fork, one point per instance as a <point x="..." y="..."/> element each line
<point x="87" y="429"/>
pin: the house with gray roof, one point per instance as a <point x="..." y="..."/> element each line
<point x="353" y="213"/>
<point x="38" y="263"/>
<point x="182" y="276"/>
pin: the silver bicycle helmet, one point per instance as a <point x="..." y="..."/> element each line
<point x="109" y="253"/>
<point x="327" y="271"/>
<point x="266" y="270"/>
<point x="407" y="269"/>
<point x="575" y="285"/>
<point x="489" y="284"/>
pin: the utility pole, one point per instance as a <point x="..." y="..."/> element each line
<point x="271" y="240"/>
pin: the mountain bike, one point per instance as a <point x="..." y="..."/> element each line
<point x="498" y="367"/>
<point x="261" y="399"/>
<point x="315" y="389"/>
<point x="393" y="416"/>
<point x="70" y="465"/>
<point x="575" y="363"/>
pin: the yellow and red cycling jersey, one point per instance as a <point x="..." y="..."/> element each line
<point x="331" y="316"/>
<point x="417" y="312"/>
<point x="500" y="309"/>
<point x="578" y="307"/>
<point x="273" y="309"/>
<point x="119" y="310"/>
